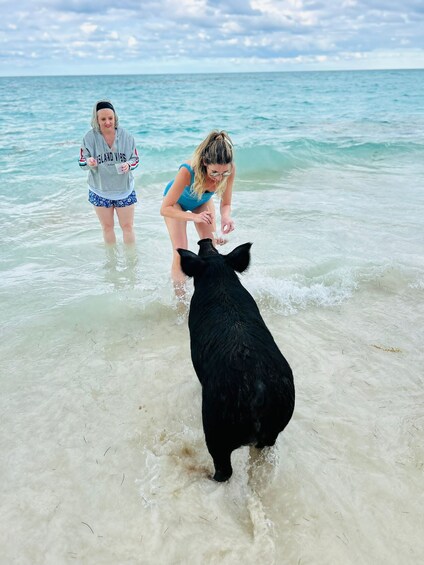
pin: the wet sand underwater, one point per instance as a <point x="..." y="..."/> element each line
<point x="105" y="461"/>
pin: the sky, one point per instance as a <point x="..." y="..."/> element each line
<point x="89" y="37"/>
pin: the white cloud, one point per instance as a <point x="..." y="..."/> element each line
<point x="203" y="36"/>
<point x="186" y="8"/>
<point x="88" y="27"/>
<point x="290" y="12"/>
<point x="231" y="27"/>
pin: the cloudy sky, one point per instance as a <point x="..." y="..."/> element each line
<point x="51" y="37"/>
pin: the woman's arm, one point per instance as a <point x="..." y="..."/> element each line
<point x="168" y="208"/>
<point x="227" y="223"/>
<point x="82" y="161"/>
<point x="86" y="153"/>
<point x="134" y="160"/>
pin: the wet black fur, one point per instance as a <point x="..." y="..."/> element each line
<point x="247" y="385"/>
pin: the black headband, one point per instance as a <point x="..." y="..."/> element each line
<point x="102" y="105"/>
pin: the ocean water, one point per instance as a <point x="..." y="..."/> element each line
<point x="103" y="456"/>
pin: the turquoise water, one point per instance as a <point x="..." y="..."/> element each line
<point x="101" y="407"/>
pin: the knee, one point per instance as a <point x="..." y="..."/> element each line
<point x="126" y="226"/>
<point x="205" y="230"/>
<point x="107" y="227"/>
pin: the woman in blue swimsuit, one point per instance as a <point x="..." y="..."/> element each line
<point x="188" y="198"/>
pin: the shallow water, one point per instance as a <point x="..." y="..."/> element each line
<point x="104" y="460"/>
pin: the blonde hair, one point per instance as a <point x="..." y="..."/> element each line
<point x="94" y="121"/>
<point x="216" y="149"/>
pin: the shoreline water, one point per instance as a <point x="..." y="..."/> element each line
<point x="109" y="456"/>
<point x="104" y="459"/>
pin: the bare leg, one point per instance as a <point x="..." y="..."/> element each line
<point x="178" y="233"/>
<point x="105" y="216"/>
<point x="208" y="230"/>
<point x="126" y="221"/>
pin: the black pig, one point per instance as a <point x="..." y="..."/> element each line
<point x="247" y="384"/>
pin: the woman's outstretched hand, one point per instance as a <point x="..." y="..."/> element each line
<point x="227" y="225"/>
<point x="218" y="239"/>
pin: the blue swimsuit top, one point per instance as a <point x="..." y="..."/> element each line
<point x="188" y="199"/>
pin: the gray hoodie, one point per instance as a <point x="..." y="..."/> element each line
<point x="104" y="180"/>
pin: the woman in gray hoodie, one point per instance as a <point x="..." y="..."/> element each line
<point x="110" y="154"/>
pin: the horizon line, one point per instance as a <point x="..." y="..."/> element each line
<point x="190" y="73"/>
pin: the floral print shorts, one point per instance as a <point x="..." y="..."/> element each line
<point x="106" y="203"/>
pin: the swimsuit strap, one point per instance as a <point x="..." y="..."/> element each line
<point x="190" y="170"/>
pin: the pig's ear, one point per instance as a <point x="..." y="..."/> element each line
<point x="239" y="258"/>
<point x="191" y="264"/>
